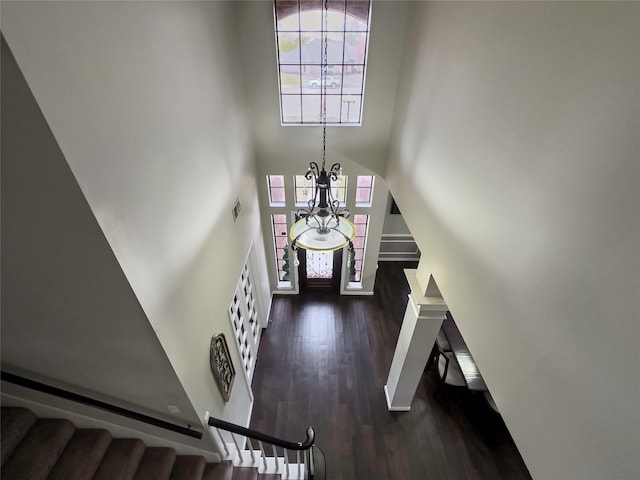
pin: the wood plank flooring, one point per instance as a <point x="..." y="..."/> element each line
<point x="324" y="360"/>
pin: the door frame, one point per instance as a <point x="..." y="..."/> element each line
<point x="320" y="285"/>
<point x="301" y="285"/>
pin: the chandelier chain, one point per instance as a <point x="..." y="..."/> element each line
<point x="324" y="83"/>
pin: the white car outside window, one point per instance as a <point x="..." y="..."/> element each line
<point x="331" y="81"/>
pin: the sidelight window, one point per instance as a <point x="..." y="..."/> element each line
<point x="361" y="223"/>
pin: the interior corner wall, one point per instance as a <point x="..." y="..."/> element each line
<point x="515" y="165"/>
<point x="146" y="103"/>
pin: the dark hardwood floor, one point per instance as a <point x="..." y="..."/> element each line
<point x="324" y="361"/>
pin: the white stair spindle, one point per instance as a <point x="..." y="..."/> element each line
<point x="253" y="456"/>
<point x="286" y="460"/>
<point x="275" y="456"/>
<point x="237" y="447"/>
<point x="304" y="461"/>
<point x="264" y="455"/>
<point x="224" y="444"/>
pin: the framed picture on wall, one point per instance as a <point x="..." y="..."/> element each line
<point x="221" y="365"/>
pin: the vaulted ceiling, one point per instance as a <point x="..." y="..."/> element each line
<point x="508" y="130"/>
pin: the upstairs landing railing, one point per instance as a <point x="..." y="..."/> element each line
<point x="268" y="454"/>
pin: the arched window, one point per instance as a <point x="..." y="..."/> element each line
<point x="300" y="38"/>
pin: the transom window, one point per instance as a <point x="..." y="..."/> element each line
<point x="275" y="183"/>
<point x="364" y="190"/>
<point x="300" y="37"/>
<point x="305" y="189"/>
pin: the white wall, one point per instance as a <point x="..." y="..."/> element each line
<point x="515" y="163"/>
<point x="69" y="316"/>
<point x="145" y="103"/>
<point x="394" y="224"/>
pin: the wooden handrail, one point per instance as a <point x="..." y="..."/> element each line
<point x="262" y="437"/>
<point x="75" y="397"/>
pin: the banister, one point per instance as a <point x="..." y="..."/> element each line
<point x="92" y="402"/>
<point x="255" y="435"/>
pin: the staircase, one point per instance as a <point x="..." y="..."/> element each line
<point x="53" y="449"/>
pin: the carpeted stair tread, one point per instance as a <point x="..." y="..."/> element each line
<point x="188" y="467"/>
<point x="156" y="464"/>
<point x="16" y="422"/>
<point x="82" y="456"/>
<point x="121" y="460"/>
<point x="47" y="437"/>
<point x="53" y="449"/>
<point x="218" y="471"/>
<point x="245" y="473"/>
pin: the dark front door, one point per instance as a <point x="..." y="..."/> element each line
<point x="320" y="272"/>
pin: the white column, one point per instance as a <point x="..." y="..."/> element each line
<point x="423" y="318"/>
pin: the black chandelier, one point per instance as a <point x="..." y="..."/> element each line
<point x="323" y="226"/>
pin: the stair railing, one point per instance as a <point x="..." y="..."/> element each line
<point x="95" y="403"/>
<point x="249" y="455"/>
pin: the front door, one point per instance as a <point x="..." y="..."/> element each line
<point x="320" y="271"/>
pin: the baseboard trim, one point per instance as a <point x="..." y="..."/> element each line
<point x="357" y="293"/>
<point x="391" y="408"/>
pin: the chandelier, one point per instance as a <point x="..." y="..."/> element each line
<point x="322" y="226"/>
